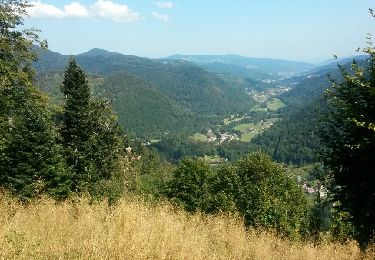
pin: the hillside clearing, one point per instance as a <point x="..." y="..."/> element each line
<point x="274" y="104"/>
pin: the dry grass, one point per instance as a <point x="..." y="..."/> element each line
<point x="137" y="230"/>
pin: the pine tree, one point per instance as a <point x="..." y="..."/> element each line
<point x="30" y="162"/>
<point x="76" y="129"/>
<point x="33" y="163"/>
<point x="90" y="133"/>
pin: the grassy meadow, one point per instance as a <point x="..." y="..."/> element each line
<point x="134" y="229"/>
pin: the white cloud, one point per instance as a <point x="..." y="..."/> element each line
<point x="162" y="17"/>
<point x="76" y="9"/>
<point x="167" y="5"/>
<point x="100" y="9"/>
<point x="40" y="9"/>
<point x="117" y="12"/>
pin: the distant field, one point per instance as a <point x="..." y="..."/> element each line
<point x="247" y="135"/>
<point x="199" y="137"/>
<point x="274" y="104"/>
<point x="233" y="119"/>
<point x="244" y="127"/>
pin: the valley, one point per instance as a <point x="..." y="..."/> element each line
<point x="227" y="105"/>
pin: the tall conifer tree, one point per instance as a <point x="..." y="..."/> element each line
<point x="76" y="129"/>
<point x="29" y="156"/>
<point x="90" y="133"/>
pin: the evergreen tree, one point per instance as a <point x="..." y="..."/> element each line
<point x="90" y="134"/>
<point x="29" y="156"/>
<point x="76" y="129"/>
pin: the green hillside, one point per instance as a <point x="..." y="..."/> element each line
<point x="150" y="97"/>
<point x="294" y="138"/>
<point x="142" y="109"/>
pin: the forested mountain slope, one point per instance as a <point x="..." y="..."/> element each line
<point x="171" y="96"/>
<point x="142" y="109"/>
<point x="294" y="138"/>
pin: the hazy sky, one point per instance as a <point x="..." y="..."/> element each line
<point x="309" y="30"/>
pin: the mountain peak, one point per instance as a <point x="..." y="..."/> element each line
<point x="99" y="52"/>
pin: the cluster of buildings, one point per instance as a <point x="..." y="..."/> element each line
<point x="226" y="137"/>
<point x="322" y="190"/>
<point x="260" y="96"/>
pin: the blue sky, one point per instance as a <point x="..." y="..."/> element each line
<point x="308" y="30"/>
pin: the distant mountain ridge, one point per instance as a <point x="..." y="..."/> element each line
<point x="99" y="52"/>
<point x="265" y="65"/>
<point x="182" y="91"/>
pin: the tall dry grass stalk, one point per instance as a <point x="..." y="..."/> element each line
<point x="137" y="230"/>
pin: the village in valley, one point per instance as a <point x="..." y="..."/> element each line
<point x="244" y="127"/>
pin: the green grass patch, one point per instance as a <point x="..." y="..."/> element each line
<point x="248" y="131"/>
<point x="248" y="136"/>
<point x="275" y="104"/>
<point x="199" y="137"/>
<point x="234" y="119"/>
<point x="244" y="127"/>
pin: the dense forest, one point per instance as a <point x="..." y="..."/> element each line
<point x="287" y="147"/>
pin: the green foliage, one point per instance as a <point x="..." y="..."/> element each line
<point x="320" y="216"/>
<point x="341" y="228"/>
<point x="185" y="96"/>
<point x="266" y="196"/>
<point x="294" y="139"/>
<point x="30" y="161"/>
<point x="90" y="136"/>
<point x="142" y="109"/>
<point x="189" y="186"/>
<point x="348" y="133"/>
<point x="76" y="127"/>
<point x="176" y="147"/>
<point x="149" y="174"/>
<point x="256" y="187"/>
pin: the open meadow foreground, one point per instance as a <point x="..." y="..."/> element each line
<point x="137" y="230"/>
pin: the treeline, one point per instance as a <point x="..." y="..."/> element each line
<point x="176" y="147"/>
<point x="254" y="186"/>
<point x="75" y="148"/>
